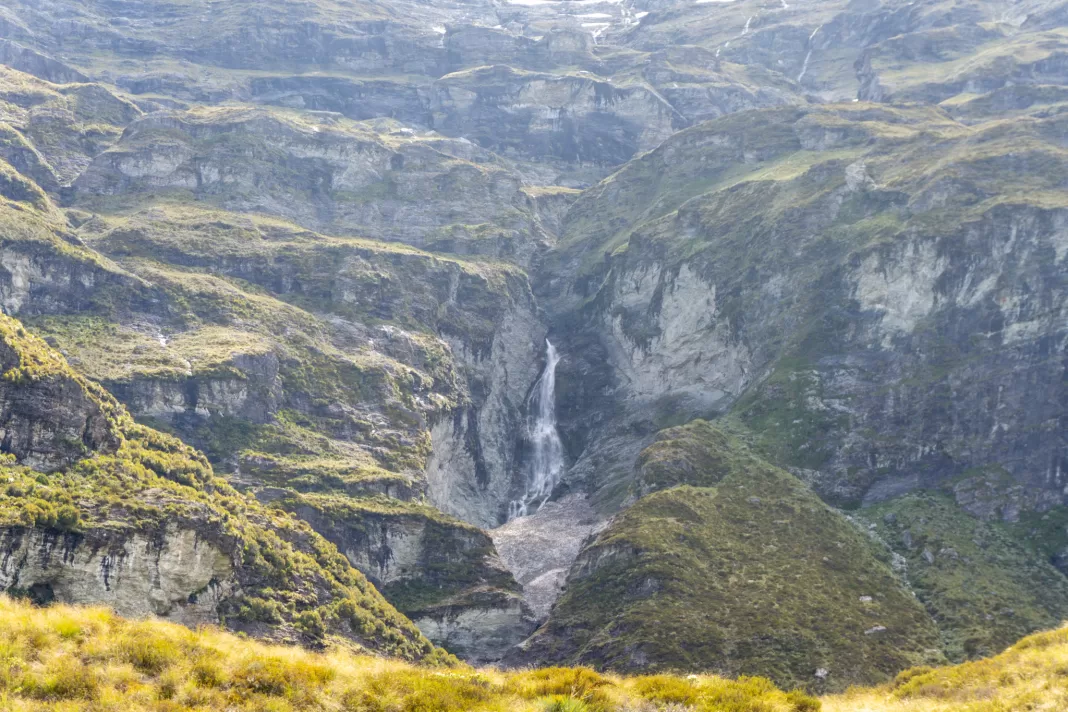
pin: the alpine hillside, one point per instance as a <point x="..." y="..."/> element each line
<point x="654" y="336"/>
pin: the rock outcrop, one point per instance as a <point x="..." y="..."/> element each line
<point x="135" y="519"/>
<point x="441" y="573"/>
<point x="173" y="574"/>
<point x="49" y="420"/>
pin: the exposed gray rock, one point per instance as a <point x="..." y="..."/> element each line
<point x="539" y="549"/>
<point x="250" y="389"/>
<point x="173" y="574"/>
<point x="39" y="65"/>
<point x="49" y="421"/>
<point x="444" y="575"/>
<point x="481" y="628"/>
<point x="473" y="472"/>
<point x="319" y="171"/>
<point x="574" y="117"/>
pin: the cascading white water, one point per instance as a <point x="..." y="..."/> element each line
<point x="547" y="452"/>
<point x="804" y="65"/>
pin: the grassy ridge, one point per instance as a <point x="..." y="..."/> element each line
<point x="733" y="565"/>
<point x="1030" y="675"/>
<point x="69" y="658"/>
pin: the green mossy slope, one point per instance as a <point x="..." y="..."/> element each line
<point x="983" y="587"/>
<point x="291" y="583"/>
<point x="749" y="573"/>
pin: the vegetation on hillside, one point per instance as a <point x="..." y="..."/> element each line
<point x="983" y="586"/>
<point x="1029" y="676"/>
<point x="80" y="659"/>
<point x="293" y="584"/>
<point x="68" y="658"/>
<point x="301" y="361"/>
<point x="747" y="571"/>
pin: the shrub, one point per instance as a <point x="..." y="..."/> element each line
<point x="147" y="651"/>
<point x="577" y="683"/>
<point x="905" y="676"/>
<point x="67" y="518"/>
<point x="563" y="704"/>
<point x="746" y="694"/>
<point x="273" y="675"/>
<point x="802" y="702"/>
<point x="208" y="672"/>
<point x="420" y="691"/>
<point x="64" y="679"/>
<point x="667" y="689"/>
<point x="311" y="622"/>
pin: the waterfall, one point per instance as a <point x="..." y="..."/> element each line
<point x="547" y="452"/>
<point x="804" y="65"/>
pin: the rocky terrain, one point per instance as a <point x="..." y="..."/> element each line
<point x="97" y="507"/>
<point x="804" y="264"/>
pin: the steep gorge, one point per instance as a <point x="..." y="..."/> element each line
<point x="350" y="252"/>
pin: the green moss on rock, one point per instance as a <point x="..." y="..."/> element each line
<point x="139" y="480"/>
<point x="749" y="573"/>
<point x="980" y="583"/>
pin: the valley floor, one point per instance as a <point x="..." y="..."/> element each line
<point x="72" y="658"/>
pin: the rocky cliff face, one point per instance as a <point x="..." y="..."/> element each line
<point x="880" y="297"/>
<point x="318" y="171"/>
<point x="473" y="470"/>
<point x="443" y="575"/>
<point x="49" y="421"/>
<point x="574" y="118"/>
<point x="324" y="243"/>
<point x="173" y="574"/>
<point x="139" y="522"/>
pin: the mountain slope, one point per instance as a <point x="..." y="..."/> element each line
<point x="100" y="508"/>
<point x="842" y="278"/>
<point x="732" y="565"/>
<point x="325" y="243"/>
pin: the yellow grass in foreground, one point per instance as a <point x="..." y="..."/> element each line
<point x="1031" y="675"/>
<point x="69" y="658"/>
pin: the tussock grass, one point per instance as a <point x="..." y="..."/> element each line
<point x="1031" y="675"/>
<point x="72" y="658"/>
